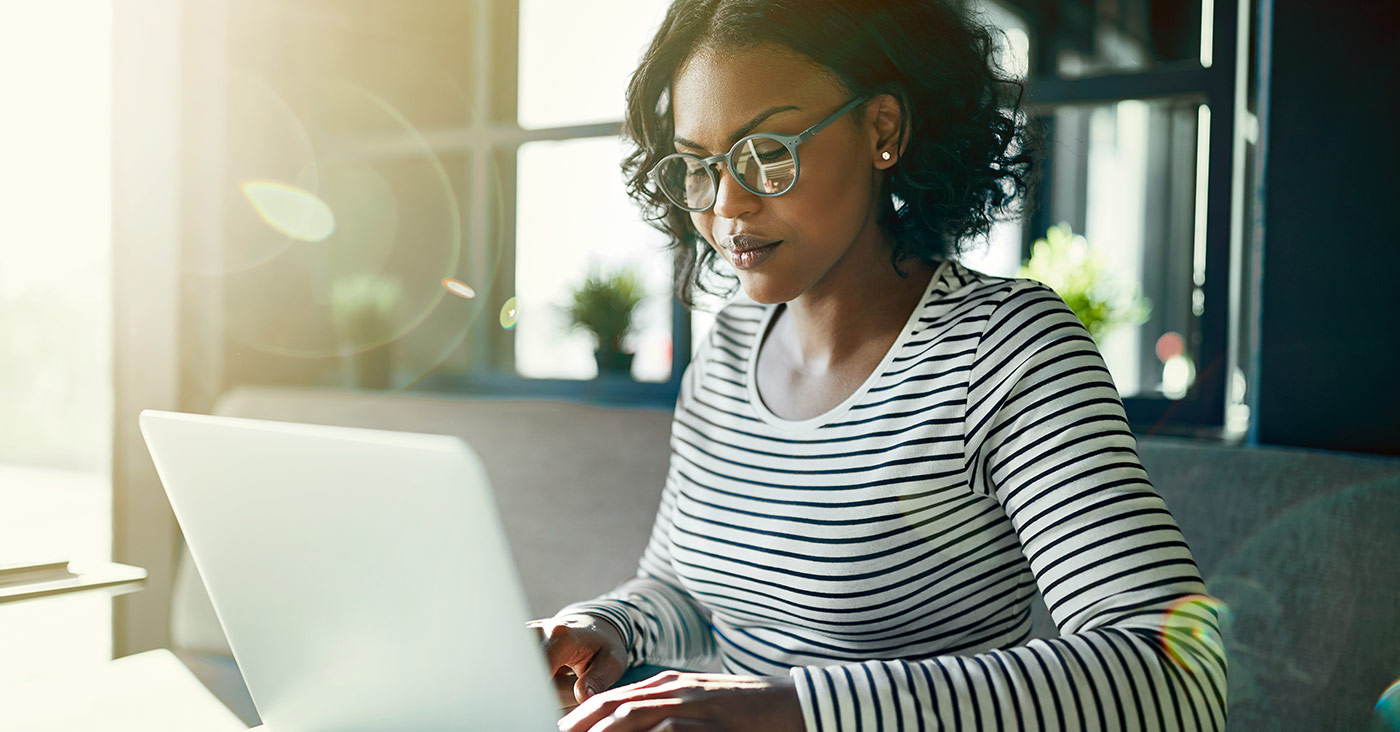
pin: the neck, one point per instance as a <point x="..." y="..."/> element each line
<point x="852" y="320"/>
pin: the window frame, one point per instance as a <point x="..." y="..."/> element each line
<point x="495" y="136"/>
<point x="492" y="143"/>
<point x="1222" y="88"/>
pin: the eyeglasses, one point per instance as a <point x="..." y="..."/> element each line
<point x="765" y="164"/>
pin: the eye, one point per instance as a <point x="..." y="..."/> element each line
<point x="766" y="149"/>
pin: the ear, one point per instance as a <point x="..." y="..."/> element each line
<point x="886" y="120"/>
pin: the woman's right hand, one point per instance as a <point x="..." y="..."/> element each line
<point x="587" y="645"/>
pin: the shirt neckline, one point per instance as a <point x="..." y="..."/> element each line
<point x="808" y="425"/>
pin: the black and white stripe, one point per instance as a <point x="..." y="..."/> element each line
<point x="886" y="553"/>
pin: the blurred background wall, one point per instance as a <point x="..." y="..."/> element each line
<point x="1327" y="363"/>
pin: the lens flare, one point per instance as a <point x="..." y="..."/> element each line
<point x="1187" y="623"/>
<point x="1169" y="346"/>
<point x="457" y="288"/>
<point x="295" y="212"/>
<point x="1388" y="707"/>
<point x="282" y="306"/>
<point x="509" y="314"/>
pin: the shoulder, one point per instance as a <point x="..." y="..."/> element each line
<point x="994" y="292"/>
<point x="1001" y="302"/>
<point x="964" y="304"/>
<point x="1013" y="320"/>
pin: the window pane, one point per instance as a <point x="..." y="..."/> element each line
<point x="1128" y="35"/>
<point x="1014" y="41"/>
<point x="572" y="210"/>
<point x="328" y="104"/>
<point x="363" y="303"/>
<point x="608" y="35"/>
<point x="1126" y="176"/>
<point x="999" y="254"/>
<point x="55" y="322"/>
<point x="701" y="321"/>
<point x="702" y="318"/>
<point x="54" y="514"/>
<point x="410" y="59"/>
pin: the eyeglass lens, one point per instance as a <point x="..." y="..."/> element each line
<point x="763" y="165"/>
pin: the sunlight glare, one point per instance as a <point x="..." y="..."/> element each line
<point x="296" y="212"/>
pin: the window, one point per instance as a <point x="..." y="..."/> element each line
<point x="360" y="108"/>
<point x="1138" y="99"/>
<point x="566" y="76"/>
<point x="55" y="326"/>
<point x="547" y="138"/>
<point x="1001" y="252"/>
<point x="571" y="214"/>
<point x="572" y="211"/>
<point x="1129" y="178"/>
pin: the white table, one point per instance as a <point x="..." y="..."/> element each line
<point x="145" y="692"/>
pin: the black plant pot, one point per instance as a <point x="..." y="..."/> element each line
<point x="613" y="362"/>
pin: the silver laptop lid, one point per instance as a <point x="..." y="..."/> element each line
<point x="362" y="577"/>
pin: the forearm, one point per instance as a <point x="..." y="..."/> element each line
<point x="1166" y="674"/>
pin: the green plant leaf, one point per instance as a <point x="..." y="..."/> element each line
<point x="1065" y="263"/>
<point x="603" y="305"/>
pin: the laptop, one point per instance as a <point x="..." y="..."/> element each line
<point x="362" y="576"/>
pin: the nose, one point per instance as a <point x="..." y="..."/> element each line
<point x="731" y="199"/>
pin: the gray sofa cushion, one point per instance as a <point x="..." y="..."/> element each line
<point x="1304" y="548"/>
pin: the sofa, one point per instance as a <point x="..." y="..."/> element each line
<point x="1302" y="546"/>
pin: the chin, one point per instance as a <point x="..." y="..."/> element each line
<point x="765" y="290"/>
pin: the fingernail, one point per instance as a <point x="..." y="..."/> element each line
<point x="590" y="689"/>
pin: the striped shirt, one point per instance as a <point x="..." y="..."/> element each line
<point x="886" y="553"/>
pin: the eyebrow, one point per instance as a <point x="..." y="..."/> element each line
<point x="744" y="129"/>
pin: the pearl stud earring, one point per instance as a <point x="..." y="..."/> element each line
<point x="885" y="155"/>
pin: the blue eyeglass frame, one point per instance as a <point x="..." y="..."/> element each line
<point x="789" y="141"/>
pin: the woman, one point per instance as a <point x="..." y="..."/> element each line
<point x="878" y="455"/>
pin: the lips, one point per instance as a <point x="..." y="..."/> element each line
<point x="738" y="243"/>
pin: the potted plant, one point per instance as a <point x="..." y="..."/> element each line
<point x="1064" y="262"/>
<point x="603" y="305"/>
<point x="362" y="308"/>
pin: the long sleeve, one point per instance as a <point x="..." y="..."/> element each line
<point x="661" y="622"/>
<point x="1046" y="436"/>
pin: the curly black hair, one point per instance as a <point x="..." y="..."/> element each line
<point x="969" y="157"/>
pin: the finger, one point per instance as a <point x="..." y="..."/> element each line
<point x="621" y="715"/>
<point x="600" y="672"/>
<point x="579" y="651"/>
<point x="676" y="724"/>
<point x="664" y="684"/>
<point x="652" y="681"/>
<point x="655" y="689"/>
